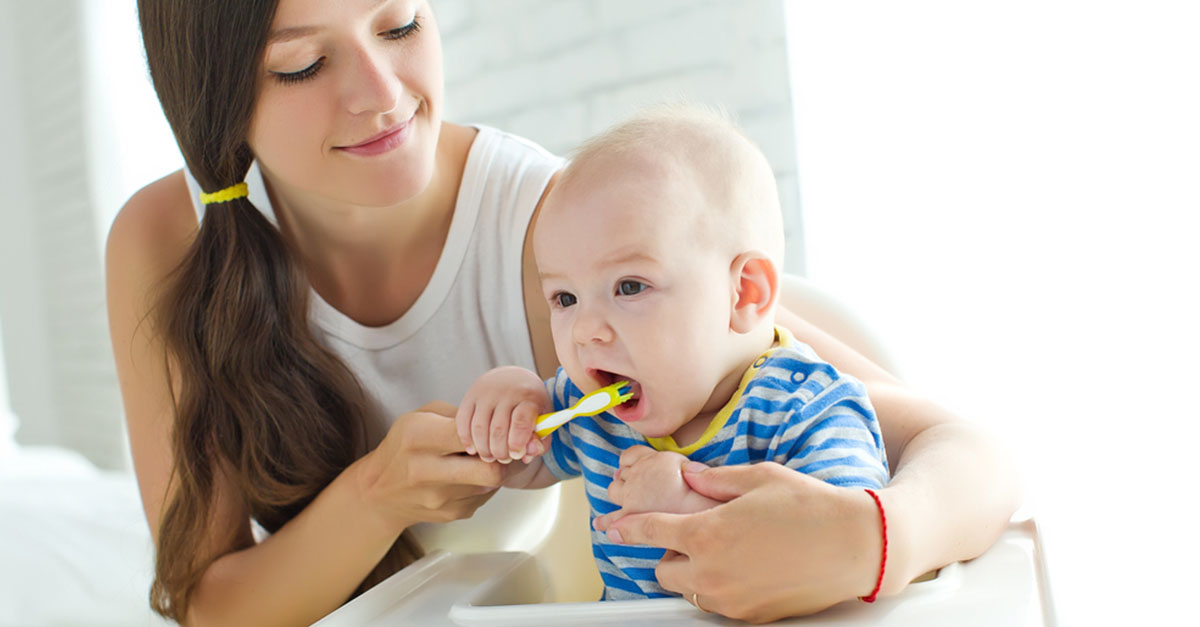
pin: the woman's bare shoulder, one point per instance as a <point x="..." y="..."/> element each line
<point x="155" y="225"/>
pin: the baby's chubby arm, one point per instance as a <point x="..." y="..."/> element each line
<point x="497" y="418"/>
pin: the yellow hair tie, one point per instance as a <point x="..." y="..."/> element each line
<point x="241" y="190"/>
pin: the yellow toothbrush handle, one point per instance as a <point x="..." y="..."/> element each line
<point x="552" y="424"/>
<point x="615" y="394"/>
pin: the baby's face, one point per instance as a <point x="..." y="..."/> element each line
<point x="635" y="295"/>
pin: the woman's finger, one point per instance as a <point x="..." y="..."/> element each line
<point x="434" y="431"/>
<point x="669" y="531"/>
<point x="466" y="470"/>
<point x="675" y="573"/>
<point x="725" y="483"/>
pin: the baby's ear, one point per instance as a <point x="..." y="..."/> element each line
<point x="755" y="290"/>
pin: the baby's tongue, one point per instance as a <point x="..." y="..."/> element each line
<point x="635" y="389"/>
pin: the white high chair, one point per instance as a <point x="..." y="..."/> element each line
<point x="525" y="559"/>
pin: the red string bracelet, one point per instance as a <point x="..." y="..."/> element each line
<point x="870" y="598"/>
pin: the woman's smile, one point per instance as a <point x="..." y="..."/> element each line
<point x="381" y="143"/>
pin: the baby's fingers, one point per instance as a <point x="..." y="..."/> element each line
<point x="524" y="417"/>
<point x="498" y="432"/>
<point x="481" y="425"/>
<point x="536" y="446"/>
<point x="462" y="422"/>
<point x="616" y="490"/>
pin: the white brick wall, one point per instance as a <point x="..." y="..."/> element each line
<point x="558" y="71"/>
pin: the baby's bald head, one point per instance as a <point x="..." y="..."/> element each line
<point x="700" y="148"/>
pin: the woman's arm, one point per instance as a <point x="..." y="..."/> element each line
<point x="953" y="487"/>
<point x="312" y="564"/>
<point x="803" y="545"/>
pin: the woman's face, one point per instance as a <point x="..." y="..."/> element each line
<point x="350" y="99"/>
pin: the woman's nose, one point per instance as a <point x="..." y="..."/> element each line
<point x="373" y="86"/>
<point x="590" y="326"/>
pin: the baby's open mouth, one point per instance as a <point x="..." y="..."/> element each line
<point x="606" y="378"/>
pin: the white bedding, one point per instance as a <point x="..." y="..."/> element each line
<point x="74" y="547"/>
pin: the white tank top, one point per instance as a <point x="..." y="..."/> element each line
<point x="470" y="318"/>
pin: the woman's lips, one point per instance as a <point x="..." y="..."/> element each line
<point x="384" y="142"/>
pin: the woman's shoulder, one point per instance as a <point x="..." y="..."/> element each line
<point x="154" y="227"/>
<point x="513" y="153"/>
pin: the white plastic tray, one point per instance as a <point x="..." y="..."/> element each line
<point x="1007" y="586"/>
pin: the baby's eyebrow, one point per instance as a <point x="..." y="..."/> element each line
<point x="620" y="258"/>
<point x="616" y="259"/>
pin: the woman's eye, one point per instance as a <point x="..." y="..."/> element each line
<point x="629" y="287"/>
<point x="291" y="78"/>
<point x="564" y="299"/>
<point x="404" y="31"/>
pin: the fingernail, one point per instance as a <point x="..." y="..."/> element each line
<point x="526" y="459"/>
<point x="694" y="467"/>
<point x="615" y="536"/>
<point x="515" y="454"/>
<point x="505" y="461"/>
<point x="470" y="450"/>
<point x="486" y="459"/>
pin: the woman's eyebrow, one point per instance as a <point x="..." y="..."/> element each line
<point x="288" y="34"/>
<point x="296" y="32"/>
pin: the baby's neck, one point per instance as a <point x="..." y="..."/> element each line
<point x="691" y="431"/>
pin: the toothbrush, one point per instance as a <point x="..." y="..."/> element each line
<point x="603" y="399"/>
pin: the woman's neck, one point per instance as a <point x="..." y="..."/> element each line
<point x="373" y="263"/>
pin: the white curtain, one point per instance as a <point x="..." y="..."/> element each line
<point x="1008" y="192"/>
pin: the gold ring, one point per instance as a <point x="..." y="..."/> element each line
<point x="696" y="602"/>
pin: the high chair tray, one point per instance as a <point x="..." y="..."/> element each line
<point x="1006" y="586"/>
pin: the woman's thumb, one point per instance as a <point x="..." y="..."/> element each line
<point x="725" y="483"/>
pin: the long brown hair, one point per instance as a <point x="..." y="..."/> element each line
<point x="258" y="401"/>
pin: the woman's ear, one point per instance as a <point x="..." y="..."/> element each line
<point x="755" y="290"/>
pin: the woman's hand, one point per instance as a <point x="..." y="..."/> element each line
<point x="784" y="544"/>
<point x="420" y="472"/>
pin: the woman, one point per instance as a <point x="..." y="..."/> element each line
<point x="273" y="341"/>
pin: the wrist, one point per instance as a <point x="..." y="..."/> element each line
<point x="901" y="568"/>
<point x="883" y="548"/>
<point x="362" y="479"/>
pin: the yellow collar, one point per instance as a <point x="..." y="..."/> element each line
<point x="783" y="339"/>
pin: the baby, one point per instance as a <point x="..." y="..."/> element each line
<point x="659" y="252"/>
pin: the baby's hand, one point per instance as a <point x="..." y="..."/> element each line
<point x="497" y="416"/>
<point x="652" y="481"/>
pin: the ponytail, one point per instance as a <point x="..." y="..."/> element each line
<point x="260" y="404"/>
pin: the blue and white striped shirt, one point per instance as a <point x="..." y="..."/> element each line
<point x="790" y="408"/>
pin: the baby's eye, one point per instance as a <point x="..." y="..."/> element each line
<point x="629" y="287"/>
<point x="564" y="299"/>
